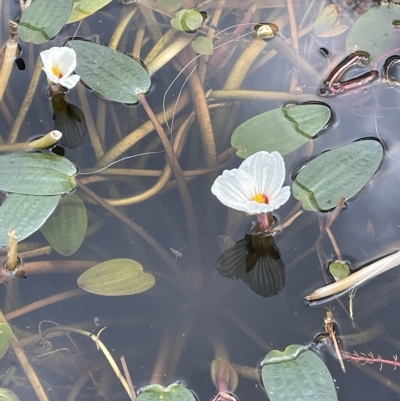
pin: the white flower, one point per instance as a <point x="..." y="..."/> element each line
<point x="256" y="186"/>
<point x="58" y="64"/>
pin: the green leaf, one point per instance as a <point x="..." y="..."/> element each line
<point x="374" y="32"/>
<point x="203" y="46"/>
<point x="187" y="20"/>
<point x="297" y="374"/>
<point x="174" y="392"/>
<point x="36" y="174"/>
<point x="116" y="277"/>
<point x="284" y="129"/>
<point x="7" y="395"/>
<point x="43" y="19"/>
<point x="109" y="72"/>
<point x="25" y="214"/>
<point x="171" y="4"/>
<point x="339" y="173"/>
<point x="85" y="8"/>
<point x="326" y="19"/>
<point x="335" y="31"/>
<point x="5" y="339"/>
<point x="66" y="228"/>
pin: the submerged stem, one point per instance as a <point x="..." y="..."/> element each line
<point x="10" y="53"/>
<point x="26" y="366"/>
<point x="182" y="186"/>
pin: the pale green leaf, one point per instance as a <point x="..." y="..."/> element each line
<point x="25" y="214"/>
<point x="284" y="129"/>
<point x="84" y="8"/>
<point x="5" y="339"/>
<point x="174" y="392"/>
<point x="66" y="228"/>
<point x="203" y="46"/>
<point x="335" y="31"/>
<point x="171" y="4"/>
<point x="7" y="395"/>
<point x="43" y="19"/>
<point x="337" y="174"/>
<point x="326" y="19"/>
<point x="36" y="174"/>
<point x="116" y="277"/>
<point x="109" y="72"/>
<point x="374" y="32"/>
<point x="187" y="20"/>
<point x="297" y="374"/>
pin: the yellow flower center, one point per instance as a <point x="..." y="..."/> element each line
<point x="56" y="71"/>
<point x="260" y="198"/>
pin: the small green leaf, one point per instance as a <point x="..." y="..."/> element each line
<point x="5" y="339"/>
<point x="339" y="270"/>
<point x="373" y="32"/>
<point x="337" y="174"/>
<point x="43" y="19"/>
<point x="171" y="4"/>
<point x="187" y="20"/>
<point x="326" y="19"/>
<point x="115" y="278"/>
<point x="7" y="395"/>
<point x="284" y="129"/>
<point x="85" y="8"/>
<point x="36" y="174"/>
<point x="297" y="374"/>
<point x="174" y="392"/>
<point x="66" y="228"/>
<point x="109" y="72"/>
<point x="203" y="46"/>
<point x="25" y="214"/>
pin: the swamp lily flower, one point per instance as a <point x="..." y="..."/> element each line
<point x="256" y="186"/>
<point x="59" y="64"/>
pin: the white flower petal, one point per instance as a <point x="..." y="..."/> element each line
<point x="275" y="177"/>
<point x="253" y="207"/>
<point x="50" y="76"/>
<point x="268" y="170"/>
<point x="70" y="82"/>
<point x="67" y="61"/>
<point x="260" y="174"/>
<point x="281" y="198"/>
<point x="233" y="188"/>
<point x="62" y="59"/>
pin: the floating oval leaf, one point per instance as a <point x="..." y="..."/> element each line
<point x="171" y="4"/>
<point x="66" y="228"/>
<point x="5" y="338"/>
<point x="7" y="395"/>
<point x="326" y="19"/>
<point x="174" y="392"/>
<point x="284" y="129"/>
<point x="43" y="19"/>
<point x="25" y="214"/>
<point x="116" y="277"/>
<point x="339" y="173"/>
<point x="297" y="374"/>
<point x="84" y="8"/>
<point x="203" y="46"/>
<point x="188" y="20"/>
<point x="36" y="174"/>
<point x="110" y="73"/>
<point x="373" y="32"/>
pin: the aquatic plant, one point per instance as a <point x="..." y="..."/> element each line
<point x="255" y="187"/>
<point x="59" y="64"/>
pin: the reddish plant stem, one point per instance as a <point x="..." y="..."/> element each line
<point x="370" y="359"/>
